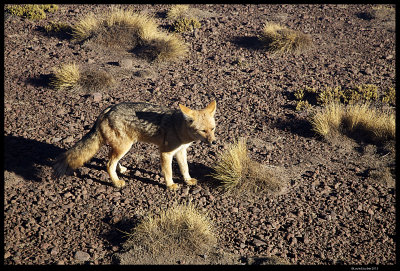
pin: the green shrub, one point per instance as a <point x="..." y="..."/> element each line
<point x="186" y="24"/>
<point x="389" y="97"/>
<point x="30" y="11"/>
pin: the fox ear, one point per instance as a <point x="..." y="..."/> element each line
<point x="211" y="108"/>
<point x="187" y="112"/>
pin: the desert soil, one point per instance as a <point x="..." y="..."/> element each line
<point x="331" y="212"/>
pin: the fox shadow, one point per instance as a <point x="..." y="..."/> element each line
<point x="25" y="156"/>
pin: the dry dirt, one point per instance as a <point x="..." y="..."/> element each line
<point x="333" y="210"/>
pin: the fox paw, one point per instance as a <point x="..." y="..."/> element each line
<point x="121" y="169"/>
<point x="119" y="184"/>
<point x="173" y="187"/>
<point x="191" y="181"/>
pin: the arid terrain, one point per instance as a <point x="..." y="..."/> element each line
<point x="333" y="209"/>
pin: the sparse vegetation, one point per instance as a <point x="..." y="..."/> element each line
<point x="57" y="27"/>
<point x="32" y="12"/>
<point x="135" y="33"/>
<point x="389" y="97"/>
<point x="360" y="121"/>
<point x="185" y="25"/>
<point x="179" y="230"/>
<point x="359" y="93"/>
<point x="303" y="105"/>
<point x="183" y="18"/>
<point x="177" y="12"/>
<point x="239" y="174"/>
<point x="278" y="39"/>
<point x="66" y="76"/>
<point x="69" y="76"/>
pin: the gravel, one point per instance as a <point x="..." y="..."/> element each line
<point x="330" y="212"/>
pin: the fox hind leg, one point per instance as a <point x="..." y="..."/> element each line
<point x="116" y="153"/>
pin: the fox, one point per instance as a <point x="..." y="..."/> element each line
<point x="123" y="124"/>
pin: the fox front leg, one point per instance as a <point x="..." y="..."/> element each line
<point x="181" y="158"/>
<point x="166" y="169"/>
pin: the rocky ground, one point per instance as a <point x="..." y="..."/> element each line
<point x="332" y="211"/>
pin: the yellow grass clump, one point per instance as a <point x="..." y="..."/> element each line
<point x="239" y="174"/>
<point x="66" y="76"/>
<point x="177" y="12"/>
<point x="130" y="31"/>
<point x="280" y="40"/>
<point x="180" y="229"/>
<point x="69" y="76"/>
<point x="360" y="121"/>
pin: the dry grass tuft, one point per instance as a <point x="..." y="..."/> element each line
<point x="66" y="76"/>
<point x="239" y="174"/>
<point x="69" y="76"/>
<point x="384" y="175"/>
<point x="178" y="230"/>
<point x="133" y="32"/>
<point x="280" y="40"/>
<point x="96" y="80"/>
<point x="57" y="27"/>
<point x="360" y="121"/>
<point x="177" y="12"/>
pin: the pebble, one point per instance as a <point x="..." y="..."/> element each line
<point x="69" y="139"/>
<point x="54" y="251"/>
<point x="7" y="255"/>
<point x="196" y="190"/>
<point x="234" y="210"/>
<point x="81" y="256"/>
<point x="126" y="63"/>
<point x="258" y="242"/>
<point x="96" y="97"/>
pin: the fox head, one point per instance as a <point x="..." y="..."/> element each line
<point x="200" y="123"/>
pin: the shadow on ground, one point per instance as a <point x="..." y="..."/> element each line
<point x="251" y="43"/>
<point x="23" y="156"/>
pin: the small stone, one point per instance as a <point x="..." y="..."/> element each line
<point x="69" y="139"/>
<point x="196" y="190"/>
<point x="68" y="194"/>
<point x="81" y="256"/>
<point x="258" y="242"/>
<point x="234" y="210"/>
<point x="90" y="61"/>
<point x="180" y="84"/>
<point x="371" y="211"/>
<point x="126" y="63"/>
<point x="115" y="248"/>
<point x="368" y="71"/>
<point x="56" y="139"/>
<point x="185" y="191"/>
<point x="97" y="97"/>
<point x="7" y="255"/>
<point x="54" y="251"/>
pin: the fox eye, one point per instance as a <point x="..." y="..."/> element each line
<point x="203" y="131"/>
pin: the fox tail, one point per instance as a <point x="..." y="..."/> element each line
<point x="79" y="154"/>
